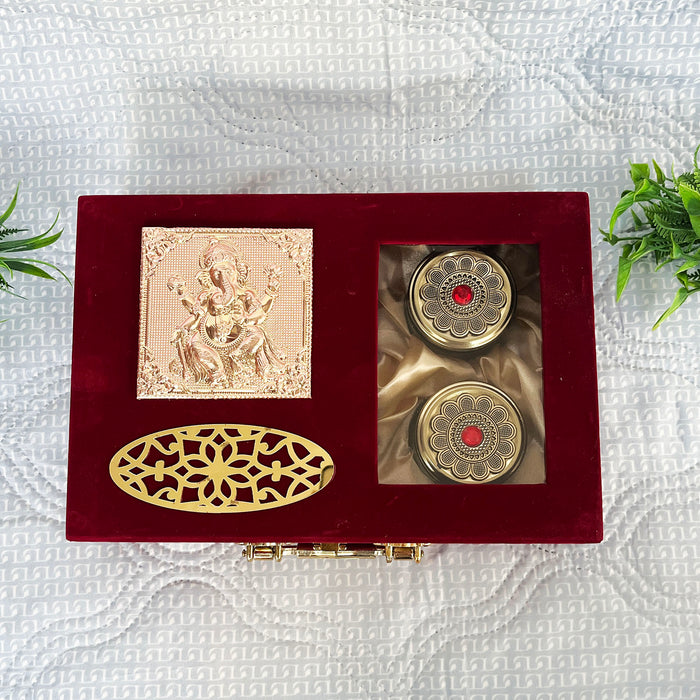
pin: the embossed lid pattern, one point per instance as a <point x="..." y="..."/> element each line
<point x="469" y="432"/>
<point x="460" y="300"/>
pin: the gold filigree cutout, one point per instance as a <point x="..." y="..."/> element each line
<point x="221" y="468"/>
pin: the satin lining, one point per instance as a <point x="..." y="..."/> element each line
<point x="409" y="371"/>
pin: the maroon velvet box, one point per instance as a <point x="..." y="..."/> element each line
<point x="341" y="416"/>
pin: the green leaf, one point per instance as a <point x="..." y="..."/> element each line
<point x="27" y="268"/>
<point x="637" y="221"/>
<point x="689" y="264"/>
<point x="660" y="177"/>
<point x="640" y="251"/>
<point x="676" y="250"/>
<point x="639" y="172"/>
<point x="681" y="296"/>
<point x="691" y="202"/>
<point x="663" y="264"/>
<point x="34" y="243"/>
<point x="691" y="199"/>
<point x="644" y="193"/>
<point x="609" y="237"/>
<point x="14" y="294"/>
<point x="6" y="214"/>
<point x="5" y="231"/>
<point x="624" y="268"/>
<point x="45" y="264"/>
<point x="685" y="281"/>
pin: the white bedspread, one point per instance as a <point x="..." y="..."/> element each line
<point x="185" y="96"/>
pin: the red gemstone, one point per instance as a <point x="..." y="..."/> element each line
<point x="472" y="436"/>
<point x="462" y="294"/>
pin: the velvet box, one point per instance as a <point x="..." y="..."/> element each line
<point x="357" y="506"/>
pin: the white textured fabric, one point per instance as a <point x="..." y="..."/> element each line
<point x="182" y="96"/>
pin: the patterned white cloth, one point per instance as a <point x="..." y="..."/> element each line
<point x="352" y="96"/>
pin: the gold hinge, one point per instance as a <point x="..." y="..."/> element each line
<point x="335" y="550"/>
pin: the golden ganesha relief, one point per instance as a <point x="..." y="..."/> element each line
<point x="225" y="313"/>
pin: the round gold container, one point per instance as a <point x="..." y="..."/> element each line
<point x="460" y="300"/>
<point x="468" y="433"/>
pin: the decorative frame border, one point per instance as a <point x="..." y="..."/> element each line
<point x="157" y="243"/>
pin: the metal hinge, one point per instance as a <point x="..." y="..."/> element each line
<point x="335" y="550"/>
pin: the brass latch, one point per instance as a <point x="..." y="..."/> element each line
<point x="335" y="550"/>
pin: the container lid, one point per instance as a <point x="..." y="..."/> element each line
<point x="460" y="300"/>
<point x="469" y="433"/>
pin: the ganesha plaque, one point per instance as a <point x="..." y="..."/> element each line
<point x="225" y="313"/>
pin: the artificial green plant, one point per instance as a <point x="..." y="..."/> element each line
<point x="12" y="247"/>
<point x="665" y="215"/>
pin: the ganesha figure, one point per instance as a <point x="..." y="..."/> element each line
<point x="224" y="332"/>
<point x="201" y="361"/>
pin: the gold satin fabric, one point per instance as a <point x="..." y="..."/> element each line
<point x="409" y="371"/>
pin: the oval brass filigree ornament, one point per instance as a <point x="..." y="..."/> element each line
<point x="468" y="433"/>
<point x="460" y="300"/>
<point x="221" y="468"/>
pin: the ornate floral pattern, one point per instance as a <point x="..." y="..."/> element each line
<point x="221" y="468"/>
<point x="487" y="299"/>
<point x="478" y="462"/>
<point x="158" y="242"/>
<point x="297" y="244"/>
<point x="151" y="380"/>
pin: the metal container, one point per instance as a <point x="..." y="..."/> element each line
<point x="468" y="433"/>
<point x="460" y="300"/>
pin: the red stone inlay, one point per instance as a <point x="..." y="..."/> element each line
<point x="462" y="294"/>
<point x="472" y="436"/>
